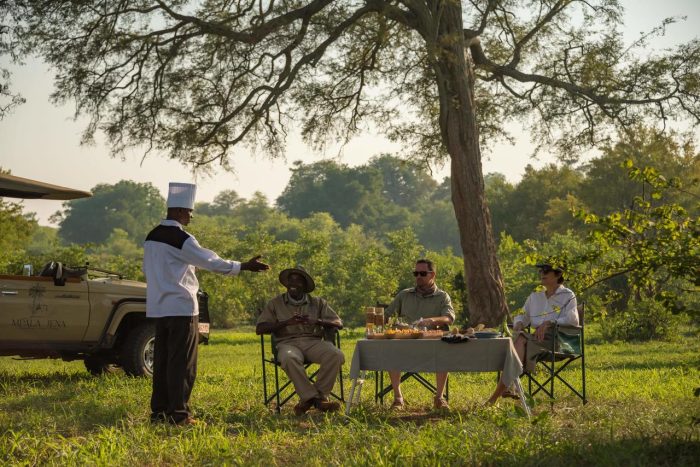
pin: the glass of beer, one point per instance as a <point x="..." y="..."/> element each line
<point x="369" y="319"/>
<point x="379" y="317"/>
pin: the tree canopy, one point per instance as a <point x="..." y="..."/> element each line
<point x="194" y="79"/>
<point x="132" y="207"/>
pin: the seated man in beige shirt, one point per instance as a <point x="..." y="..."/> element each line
<point x="424" y="305"/>
<point x="297" y="321"/>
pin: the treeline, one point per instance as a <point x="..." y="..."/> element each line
<point x="359" y="229"/>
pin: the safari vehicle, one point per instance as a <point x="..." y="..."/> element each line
<point x="81" y="314"/>
<point x="78" y="313"/>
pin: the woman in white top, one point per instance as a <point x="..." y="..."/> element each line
<point x="554" y="305"/>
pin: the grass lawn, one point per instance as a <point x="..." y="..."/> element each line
<point x="641" y="411"/>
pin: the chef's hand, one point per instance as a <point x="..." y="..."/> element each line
<point x="541" y="331"/>
<point x="254" y="265"/>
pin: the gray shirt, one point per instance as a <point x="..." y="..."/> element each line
<point x="412" y="306"/>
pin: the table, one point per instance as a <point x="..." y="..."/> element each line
<point x="434" y="355"/>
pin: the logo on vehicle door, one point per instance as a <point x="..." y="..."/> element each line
<point x="37" y="294"/>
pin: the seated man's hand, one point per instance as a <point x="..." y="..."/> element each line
<point x="541" y="331"/>
<point x="517" y="327"/>
<point x="297" y="319"/>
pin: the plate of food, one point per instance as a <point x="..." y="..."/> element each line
<point x="432" y="334"/>
<point x="403" y="334"/>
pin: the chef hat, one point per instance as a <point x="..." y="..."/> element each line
<point x="181" y="195"/>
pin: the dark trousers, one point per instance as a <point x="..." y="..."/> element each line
<point x="174" y="367"/>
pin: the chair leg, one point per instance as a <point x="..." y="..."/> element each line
<point x="583" y="378"/>
<point x="551" y="377"/>
<point x="264" y="375"/>
<point x="277" y="390"/>
<point x="447" y="389"/>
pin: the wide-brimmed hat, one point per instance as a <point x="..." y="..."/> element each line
<point x="546" y="267"/>
<point x="284" y="277"/>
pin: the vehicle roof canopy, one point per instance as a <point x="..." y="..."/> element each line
<point x="18" y="187"/>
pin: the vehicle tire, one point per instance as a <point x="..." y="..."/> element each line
<point x="137" y="350"/>
<point x="98" y="365"/>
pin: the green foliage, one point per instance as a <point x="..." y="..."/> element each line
<point x="518" y="275"/>
<point x="654" y="240"/>
<point x="130" y="206"/>
<point x="642" y="320"/>
<point x="607" y="186"/>
<point x="16" y="229"/>
<point x="530" y="199"/>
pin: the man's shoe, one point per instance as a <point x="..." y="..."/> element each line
<point x="303" y="406"/>
<point x="191" y="421"/>
<point x="440" y="403"/>
<point x="324" y="405"/>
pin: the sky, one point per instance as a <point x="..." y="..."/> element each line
<point x="41" y="141"/>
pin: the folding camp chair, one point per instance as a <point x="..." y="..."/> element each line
<point x="571" y="348"/>
<point x="380" y="390"/>
<point x="283" y="393"/>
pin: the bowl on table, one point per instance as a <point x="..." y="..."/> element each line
<point x="487" y="334"/>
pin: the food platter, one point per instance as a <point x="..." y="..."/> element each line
<point x="403" y="334"/>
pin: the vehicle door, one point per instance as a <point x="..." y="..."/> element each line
<point x="36" y="309"/>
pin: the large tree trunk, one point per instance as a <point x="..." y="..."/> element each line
<point x="455" y="76"/>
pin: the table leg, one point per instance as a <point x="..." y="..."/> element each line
<point x="523" y="401"/>
<point x="355" y="385"/>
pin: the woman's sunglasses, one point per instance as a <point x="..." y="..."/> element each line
<point x="421" y="273"/>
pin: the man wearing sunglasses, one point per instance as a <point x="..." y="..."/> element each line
<point x="425" y="305"/>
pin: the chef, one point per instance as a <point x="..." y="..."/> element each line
<point x="170" y="257"/>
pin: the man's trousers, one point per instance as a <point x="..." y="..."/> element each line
<point x="292" y="354"/>
<point x="174" y="367"/>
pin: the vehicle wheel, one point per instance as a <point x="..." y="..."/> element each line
<point x="137" y="350"/>
<point x="98" y="365"/>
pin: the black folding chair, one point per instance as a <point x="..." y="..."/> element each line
<point x="567" y="347"/>
<point x="380" y="390"/>
<point x="283" y="393"/>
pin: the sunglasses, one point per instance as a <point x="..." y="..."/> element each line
<point x="421" y="273"/>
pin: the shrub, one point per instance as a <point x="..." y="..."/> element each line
<point x="643" y="320"/>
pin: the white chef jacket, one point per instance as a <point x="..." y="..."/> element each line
<point x="170" y="256"/>
<point x="560" y="307"/>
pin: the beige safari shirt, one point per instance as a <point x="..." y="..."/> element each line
<point x="412" y="306"/>
<point x="280" y="309"/>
